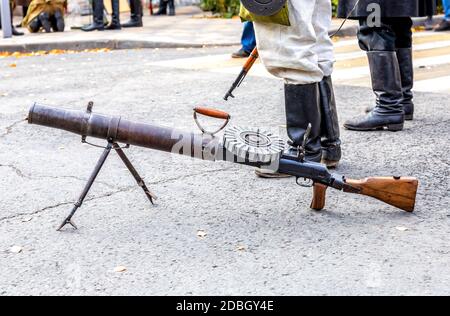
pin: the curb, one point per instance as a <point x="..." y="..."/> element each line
<point x="98" y="44"/>
<point x="117" y="44"/>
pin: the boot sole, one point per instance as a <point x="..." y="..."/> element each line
<point x="129" y="26"/>
<point x="268" y="175"/>
<point x="331" y="164"/>
<point x="389" y="127"/>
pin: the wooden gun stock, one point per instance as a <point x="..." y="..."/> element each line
<point x="396" y="191"/>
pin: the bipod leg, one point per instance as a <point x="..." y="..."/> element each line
<point x="88" y="186"/>
<point x="152" y="197"/>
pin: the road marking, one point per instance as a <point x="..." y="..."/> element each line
<point x="431" y="62"/>
<point x="440" y="84"/>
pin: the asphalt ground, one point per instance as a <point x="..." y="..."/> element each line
<point x="216" y="228"/>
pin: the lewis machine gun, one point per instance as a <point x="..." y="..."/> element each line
<point x="246" y="146"/>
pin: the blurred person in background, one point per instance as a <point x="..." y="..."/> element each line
<point x="98" y="23"/>
<point x="163" y="4"/>
<point x="136" y="14"/>
<point x="429" y="10"/>
<point x="445" y="24"/>
<point x="248" y="41"/>
<point x="45" y="14"/>
<point x="15" y="32"/>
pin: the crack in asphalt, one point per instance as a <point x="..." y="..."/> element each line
<point x="120" y="190"/>
<point x="64" y="203"/>
<point x="10" y="128"/>
<point x="22" y="174"/>
<point x="16" y="170"/>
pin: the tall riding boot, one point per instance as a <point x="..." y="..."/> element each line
<point x="97" y="24"/>
<point x="171" y="4"/>
<point x="387" y="86"/>
<point x="331" y="143"/>
<point x="405" y="61"/>
<point x="58" y="21"/>
<point x="44" y="18"/>
<point x="302" y="109"/>
<point x="162" y="8"/>
<point x="115" y="19"/>
<point x="136" y="14"/>
<point x="35" y="25"/>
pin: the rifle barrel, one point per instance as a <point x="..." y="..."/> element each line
<point x="117" y="129"/>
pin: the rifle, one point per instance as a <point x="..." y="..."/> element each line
<point x="246" y="146"/>
<point x="245" y="69"/>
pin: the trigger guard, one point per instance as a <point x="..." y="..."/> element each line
<point x="307" y="183"/>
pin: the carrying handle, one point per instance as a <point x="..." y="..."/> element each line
<point x="211" y="113"/>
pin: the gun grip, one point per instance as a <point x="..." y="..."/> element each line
<point x="319" y="196"/>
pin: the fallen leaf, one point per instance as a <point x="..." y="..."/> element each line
<point x="201" y="234"/>
<point x="16" y="249"/>
<point x="401" y="228"/>
<point x="120" y="269"/>
<point x="13" y="65"/>
<point x="241" y="248"/>
<point x="27" y="219"/>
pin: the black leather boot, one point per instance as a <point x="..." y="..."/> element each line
<point x="35" y="25"/>
<point x="16" y="32"/>
<point x="58" y="22"/>
<point x="302" y="109"/>
<point x="97" y="24"/>
<point x="386" y="84"/>
<point x="162" y="8"/>
<point x="44" y="18"/>
<point x="136" y="14"/>
<point x="405" y="61"/>
<point x="171" y="4"/>
<point x="331" y="143"/>
<point x="115" y="18"/>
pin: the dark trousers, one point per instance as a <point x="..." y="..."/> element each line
<point x="393" y="33"/>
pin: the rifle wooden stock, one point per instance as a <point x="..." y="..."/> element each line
<point x="396" y="191"/>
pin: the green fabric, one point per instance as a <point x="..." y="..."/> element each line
<point x="282" y="17"/>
